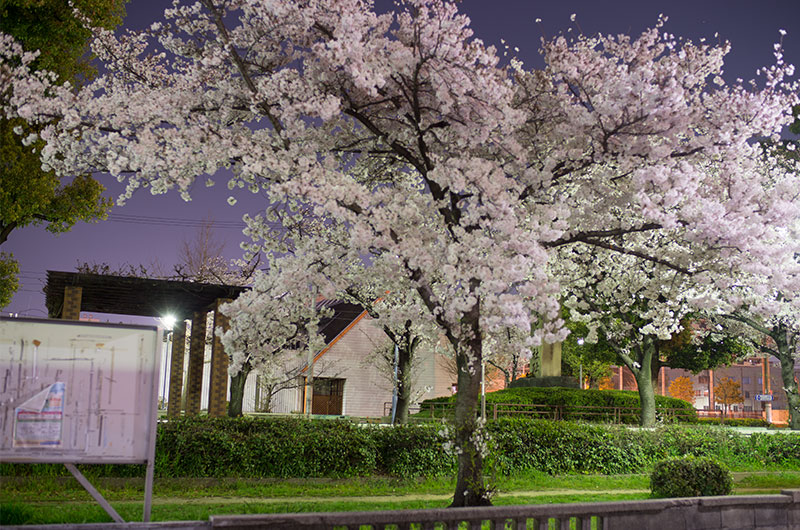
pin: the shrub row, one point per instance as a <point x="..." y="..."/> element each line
<point x="735" y="422"/>
<point x="290" y="447"/>
<point x="595" y="404"/>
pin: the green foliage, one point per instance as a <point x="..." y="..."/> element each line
<point x="49" y="26"/>
<point x="778" y="448"/>
<point x="564" y="447"/>
<point x="714" y="350"/>
<point x="28" y="194"/>
<point x="9" y="269"/>
<point x="735" y="422"/>
<point x="413" y="450"/>
<point x="16" y="513"/>
<point x="795" y="126"/>
<point x="595" y="359"/>
<point x="690" y="477"/>
<point x="253" y="447"/>
<point x="295" y="447"/>
<point x="601" y="402"/>
<point x="547" y="381"/>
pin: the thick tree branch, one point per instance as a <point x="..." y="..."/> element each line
<point x="592" y="234"/>
<point x="622" y="250"/>
<point x="242" y="67"/>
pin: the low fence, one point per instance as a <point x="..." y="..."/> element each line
<point x="718" y="414"/>
<point x="740" y="512"/>
<point x="434" y="411"/>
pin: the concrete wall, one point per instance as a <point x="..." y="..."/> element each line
<point x="764" y="512"/>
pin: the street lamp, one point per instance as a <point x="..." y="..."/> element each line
<point x="580" y="366"/>
<point x="168" y="321"/>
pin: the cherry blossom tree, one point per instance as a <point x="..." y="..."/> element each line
<point x="764" y="310"/>
<point x="462" y="175"/>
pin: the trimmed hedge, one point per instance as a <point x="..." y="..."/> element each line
<point x="735" y="422"/>
<point x="295" y="447"/>
<point x="254" y="447"/>
<point x="547" y="381"/>
<point x="603" y="400"/>
<point x="690" y="477"/>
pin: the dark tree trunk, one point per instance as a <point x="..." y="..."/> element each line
<point x="406" y="345"/>
<point x="470" y="487"/>
<point x="784" y="351"/>
<point x="644" y="382"/>
<point x="404" y="356"/>
<point x="237" y="392"/>
<point x="647" y="399"/>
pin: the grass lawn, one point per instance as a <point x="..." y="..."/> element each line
<point x="51" y="500"/>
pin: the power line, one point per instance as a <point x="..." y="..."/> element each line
<point x="174" y="221"/>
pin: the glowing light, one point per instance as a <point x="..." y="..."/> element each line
<point x="168" y="321"/>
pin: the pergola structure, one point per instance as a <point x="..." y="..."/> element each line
<point x="69" y="293"/>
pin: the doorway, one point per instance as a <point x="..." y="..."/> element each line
<point x="327" y="396"/>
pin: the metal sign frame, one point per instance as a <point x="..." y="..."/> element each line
<point x="65" y="396"/>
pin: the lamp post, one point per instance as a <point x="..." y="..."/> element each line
<point x="168" y="321"/>
<point x="580" y="365"/>
<point x="483" y="391"/>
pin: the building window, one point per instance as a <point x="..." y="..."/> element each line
<point x="703" y="379"/>
<point x="760" y="381"/>
<point x="745" y="380"/>
<point x="746" y="393"/>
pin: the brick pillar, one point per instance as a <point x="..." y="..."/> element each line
<point x="711" y="404"/>
<point x="197" y="347"/>
<point x="72" y="303"/>
<point x="176" y="369"/>
<point x="218" y="393"/>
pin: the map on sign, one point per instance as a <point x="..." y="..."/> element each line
<point x="77" y="392"/>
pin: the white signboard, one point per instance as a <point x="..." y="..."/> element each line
<point x="78" y="392"/>
<point x="763" y="397"/>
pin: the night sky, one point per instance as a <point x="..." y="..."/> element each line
<point x="149" y="229"/>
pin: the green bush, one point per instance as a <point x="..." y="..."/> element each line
<point x="690" y="477"/>
<point x="735" y="422"/>
<point x="548" y="381"/>
<point x="413" y="451"/>
<point x="295" y="447"/>
<point x="258" y="447"/>
<point x="600" y="403"/>
<point x="566" y="447"/>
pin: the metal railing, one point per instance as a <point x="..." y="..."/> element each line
<point x="718" y="414"/>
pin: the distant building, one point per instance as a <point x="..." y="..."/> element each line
<point x="751" y="374"/>
<point x="351" y="382"/>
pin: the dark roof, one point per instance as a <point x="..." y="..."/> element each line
<point x="129" y="295"/>
<point x="344" y="314"/>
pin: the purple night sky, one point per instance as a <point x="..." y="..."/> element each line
<point x="150" y="229"/>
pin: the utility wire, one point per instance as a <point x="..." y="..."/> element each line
<point x="173" y="221"/>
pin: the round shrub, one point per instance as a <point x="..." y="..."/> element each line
<point x="690" y="477"/>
